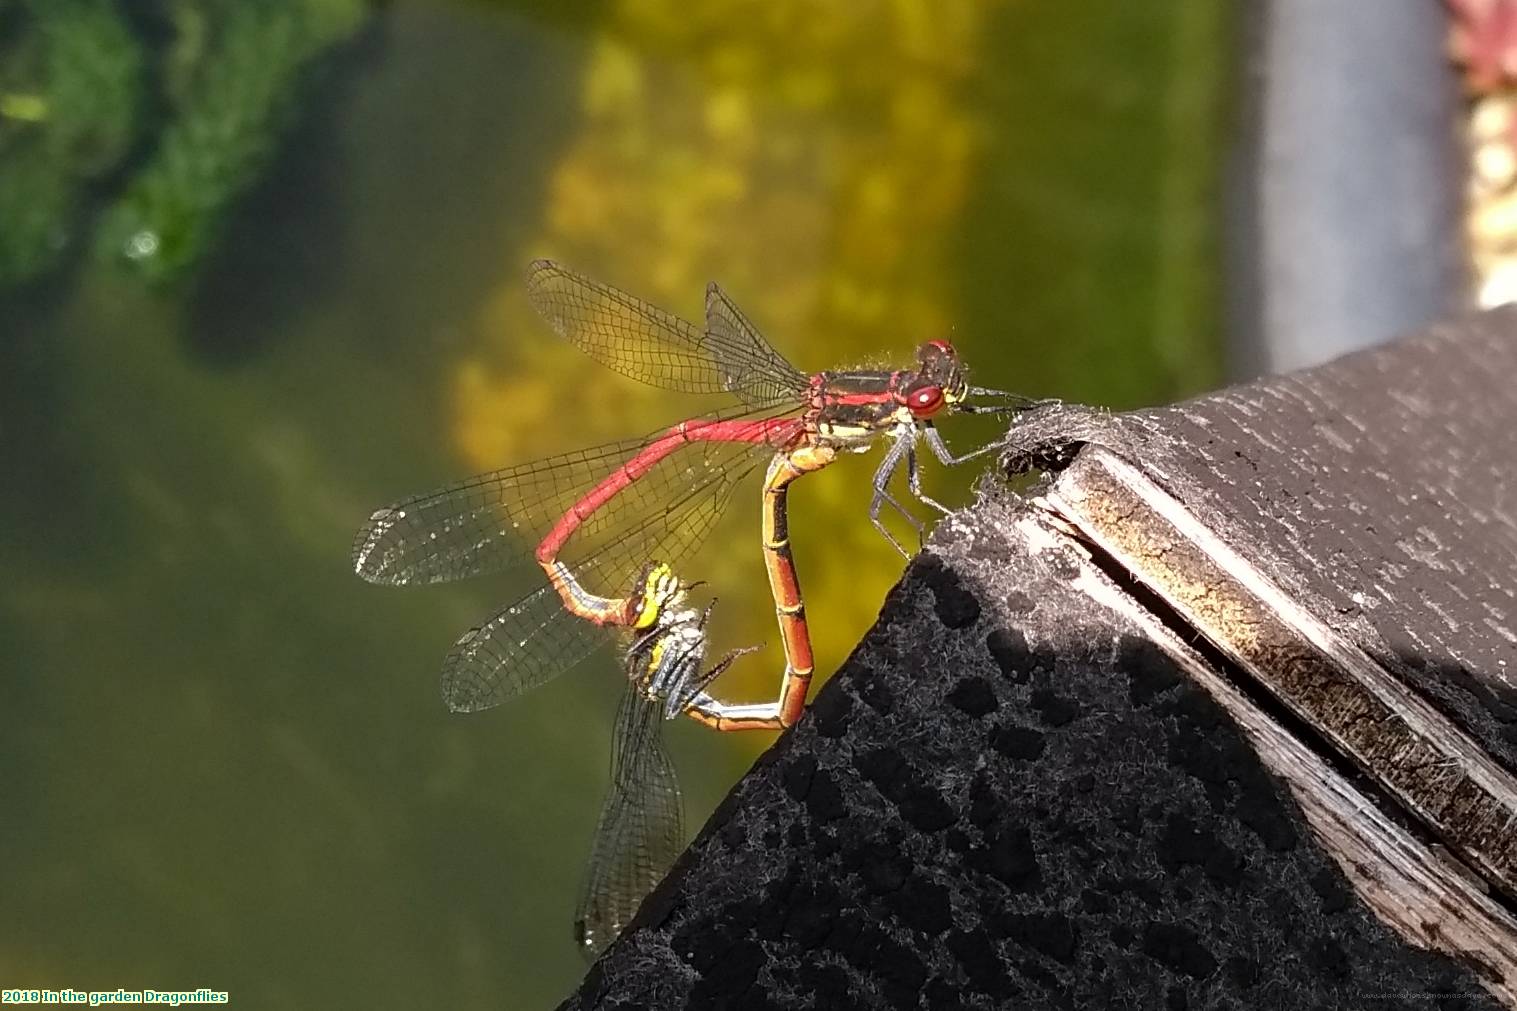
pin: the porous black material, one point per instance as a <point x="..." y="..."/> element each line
<point x="1009" y="797"/>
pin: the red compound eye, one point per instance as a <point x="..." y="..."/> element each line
<point x="924" y="402"/>
<point x="942" y="346"/>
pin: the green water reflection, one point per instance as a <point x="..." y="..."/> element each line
<point x="225" y="761"/>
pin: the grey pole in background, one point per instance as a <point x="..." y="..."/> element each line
<point x="1347" y="197"/>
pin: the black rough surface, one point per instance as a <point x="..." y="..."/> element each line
<point x="1009" y="798"/>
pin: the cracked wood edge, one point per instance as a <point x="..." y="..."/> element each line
<point x="1419" y="896"/>
<point x="1421" y="758"/>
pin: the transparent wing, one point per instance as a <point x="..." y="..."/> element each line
<point x="492" y="522"/>
<point x="749" y="365"/>
<point x="522" y="646"/>
<point x="639" y="340"/>
<point x="640" y="827"/>
<point x="530" y="641"/>
<point x="482" y="524"/>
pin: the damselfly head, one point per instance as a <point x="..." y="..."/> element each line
<point x="938" y="382"/>
<point x="658" y="591"/>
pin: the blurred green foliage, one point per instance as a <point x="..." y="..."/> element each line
<point x="146" y="120"/>
<point x="71" y="78"/>
<point x="230" y="80"/>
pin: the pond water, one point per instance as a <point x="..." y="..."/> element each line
<point x="225" y="762"/>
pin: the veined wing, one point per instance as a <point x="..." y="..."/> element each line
<point x="522" y="646"/>
<point x="642" y="341"/>
<point x="640" y="827"/>
<point x="533" y="639"/>
<point x="493" y="521"/>
<point x="748" y="363"/>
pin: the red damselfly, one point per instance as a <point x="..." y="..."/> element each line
<point x="597" y="516"/>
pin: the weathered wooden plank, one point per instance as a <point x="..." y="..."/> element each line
<point x="1014" y="794"/>
<point x="1191" y="724"/>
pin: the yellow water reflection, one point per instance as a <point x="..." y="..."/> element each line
<point x="814" y="158"/>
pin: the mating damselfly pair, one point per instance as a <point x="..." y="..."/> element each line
<point x="618" y="517"/>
